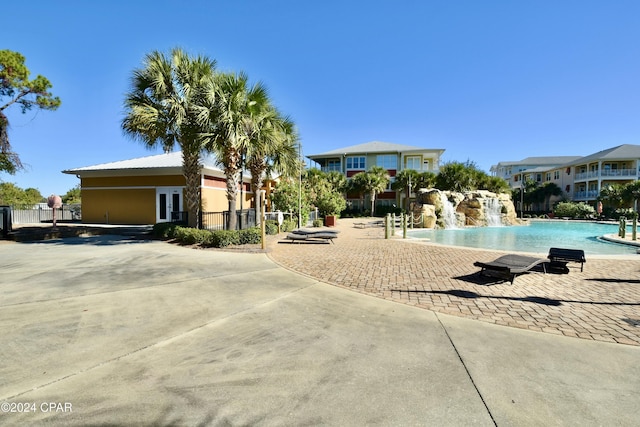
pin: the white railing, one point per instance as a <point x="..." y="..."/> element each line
<point x="591" y="194"/>
<point x="606" y="173"/>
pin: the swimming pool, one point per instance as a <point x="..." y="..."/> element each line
<point x="537" y="237"/>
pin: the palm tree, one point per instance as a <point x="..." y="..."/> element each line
<point x="166" y="106"/>
<point x="614" y="194"/>
<point x="236" y="110"/>
<point x="426" y="179"/>
<point x="338" y="181"/>
<point x="272" y="149"/>
<point x="632" y="193"/>
<point x="406" y="180"/>
<point x="374" y="181"/>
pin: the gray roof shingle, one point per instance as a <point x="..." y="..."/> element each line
<point x="373" y="147"/>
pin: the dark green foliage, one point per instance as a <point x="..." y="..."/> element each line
<point x="12" y="195"/>
<point x="250" y="236"/>
<point x="165" y="230"/>
<point x="574" y="210"/>
<point x="384" y="210"/>
<point x="317" y="223"/>
<point x="192" y="236"/>
<point x="289" y="225"/>
<point x="224" y="238"/>
<point x="206" y="238"/>
<point x="271" y="227"/>
<point x="17" y="89"/>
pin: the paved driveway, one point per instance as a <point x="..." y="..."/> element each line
<point x="114" y="331"/>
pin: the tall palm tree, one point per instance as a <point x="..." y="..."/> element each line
<point x="167" y="105"/>
<point x="236" y="108"/>
<point x="374" y="181"/>
<point x="406" y="181"/>
<point x="272" y="149"/>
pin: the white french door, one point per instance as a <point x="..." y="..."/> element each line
<point x="168" y="200"/>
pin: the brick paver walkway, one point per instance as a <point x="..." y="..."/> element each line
<point x="602" y="303"/>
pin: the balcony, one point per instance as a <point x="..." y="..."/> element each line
<point x="607" y="173"/>
<point x="585" y="195"/>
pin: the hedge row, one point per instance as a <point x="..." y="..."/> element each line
<point x="206" y="238"/>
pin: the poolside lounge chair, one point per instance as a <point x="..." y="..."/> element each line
<point x="316" y="237"/>
<point x="311" y="231"/>
<point x="559" y="257"/>
<point x="508" y="266"/>
<point x="378" y="223"/>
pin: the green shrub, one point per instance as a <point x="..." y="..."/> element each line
<point x="289" y="225"/>
<point x="224" y="238"/>
<point x="574" y="210"/>
<point x="250" y="236"/>
<point x="192" y="236"/>
<point x="271" y="227"/>
<point x="165" y="230"/>
<point x="317" y="223"/>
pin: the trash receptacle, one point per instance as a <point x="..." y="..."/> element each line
<point x="5" y="221"/>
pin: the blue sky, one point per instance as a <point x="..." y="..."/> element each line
<point x="487" y="81"/>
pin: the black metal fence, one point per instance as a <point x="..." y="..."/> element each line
<point x="245" y="218"/>
<point x="5" y="221"/>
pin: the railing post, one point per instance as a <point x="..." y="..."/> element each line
<point x="393" y="224"/>
<point x="405" y="218"/>
<point x="387" y="220"/>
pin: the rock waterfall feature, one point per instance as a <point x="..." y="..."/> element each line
<point x="446" y="209"/>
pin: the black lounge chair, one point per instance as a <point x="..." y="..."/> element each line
<point x="559" y="257"/>
<point x="316" y="237"/>
<point x="508" y="266"/>
<point x="310" y="231"/>
<point x="378" y="223"/>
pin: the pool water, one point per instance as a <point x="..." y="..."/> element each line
<point x="537" y="237"/>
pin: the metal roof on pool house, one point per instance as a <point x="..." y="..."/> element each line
<point x="159" y="163"/>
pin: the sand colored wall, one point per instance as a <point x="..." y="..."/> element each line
<point x="215" y="200"/>
<point x="123" y="199"/>
<point x="119" y="206"/>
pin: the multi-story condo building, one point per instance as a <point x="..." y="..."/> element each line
<point x="581" y="178"/>
<point x="393" y="157"/>
<point x="534" y="167"/>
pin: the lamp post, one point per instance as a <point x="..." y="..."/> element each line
<point x="521" y="200"/>
<point x="300" y="186"/>
<point x="263" y="230"/>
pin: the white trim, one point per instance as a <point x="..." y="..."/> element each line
<point x="137" y="187"/>
<point x="169" y="191"/>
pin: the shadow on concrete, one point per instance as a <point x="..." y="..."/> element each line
<point x="67" y="233"/>
<point x="100" y="240"/>
<point x="461" y="293"/>
<point x="607" y="280"/>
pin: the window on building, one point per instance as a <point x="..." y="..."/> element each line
<point x="333" y="165"/>
<point x="548" y="176"/>
<point x="414" y="162"/>
<point x="356" y="163"/>
<point x="556" y="174"/>
<point x="387" y="161"/>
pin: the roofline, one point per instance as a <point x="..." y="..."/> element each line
<point x="338" y="154"/>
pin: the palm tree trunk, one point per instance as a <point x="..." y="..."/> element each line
<point x="232" y="197"/>
<point x="373" y="202"/>
<point x="191" y="169"/>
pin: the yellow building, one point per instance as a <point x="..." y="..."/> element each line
<point x="149" y="189"/>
